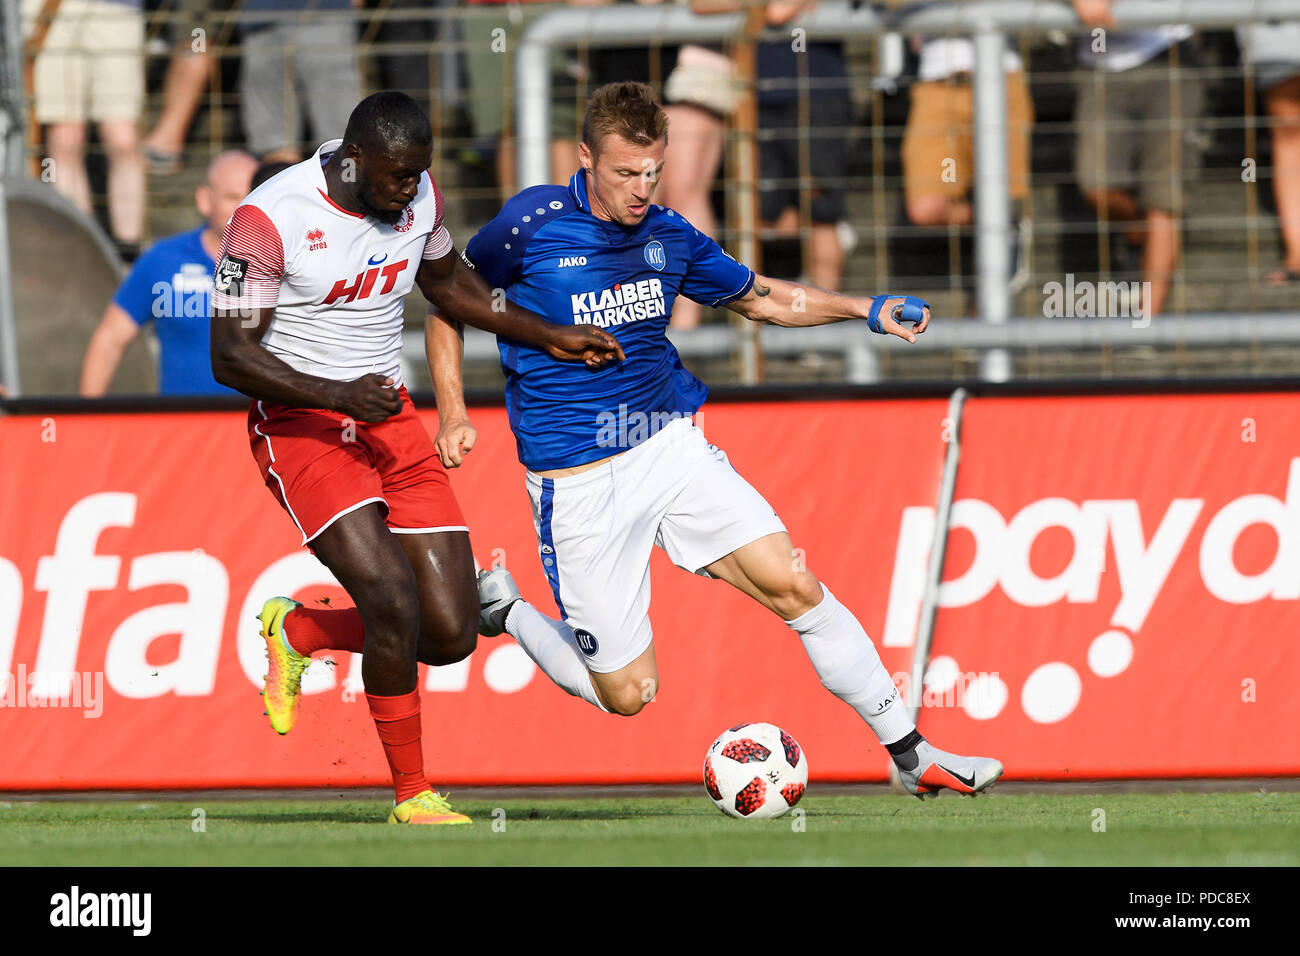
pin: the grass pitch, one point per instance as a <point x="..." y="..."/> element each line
<point x="1011" y="829"/>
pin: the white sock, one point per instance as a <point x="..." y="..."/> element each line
<point x="847" y="662"/>
<point x="553" y="648"/>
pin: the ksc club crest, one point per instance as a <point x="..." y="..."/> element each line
<point x="654" y="255"/>
<point x="408" y="219"/>
<point x="586" y="641"/>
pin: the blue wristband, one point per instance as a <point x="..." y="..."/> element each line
<point x="913" y="310"/>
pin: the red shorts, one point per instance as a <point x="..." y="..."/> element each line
<point x="320" y="465"/>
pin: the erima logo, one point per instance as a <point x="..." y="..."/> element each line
<point x="375" y="260"/>
<point x="102" y="909"/>
<point x="625" y="302"/>
<point x="568" y="261"/>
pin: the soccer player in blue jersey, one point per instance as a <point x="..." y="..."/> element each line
<point x="615" y="463"/>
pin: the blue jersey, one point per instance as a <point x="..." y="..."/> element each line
<point x="551" y="255"/>
<point x="170" y="285"/>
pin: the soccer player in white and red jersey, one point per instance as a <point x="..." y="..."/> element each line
<point x="307" y="321"/>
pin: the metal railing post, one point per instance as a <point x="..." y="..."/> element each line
<point x="533" y="110"/>
<point x="8" y="324"/>
<point x="992" y="195"/>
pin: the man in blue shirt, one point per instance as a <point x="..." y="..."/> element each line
<point x="615" y="464"/>
<point x="169" y="285"/>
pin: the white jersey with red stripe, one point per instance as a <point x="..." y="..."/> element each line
<point x="336" y="279"/>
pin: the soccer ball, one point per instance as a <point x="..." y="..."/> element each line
<point x="755" y="771"/>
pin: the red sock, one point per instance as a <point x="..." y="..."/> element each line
<point x="324" y="629"/>
<point x="398" y="721"/>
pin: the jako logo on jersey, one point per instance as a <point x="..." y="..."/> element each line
<point x="316" y="238"/>
<point x="654" y="255"/>
<point x="364" y="283"/>
<point x="625" y="302"/>
<point x="567" y="261"/>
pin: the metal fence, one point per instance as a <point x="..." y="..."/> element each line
<point x="1220" y="318"/>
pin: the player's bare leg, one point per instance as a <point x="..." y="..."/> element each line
<point x="627" y="690"/>
<point x="770" y="571"/>
<point x="444" y="570"/>
<point x="443" y="565"/>
<point x="449" y="606"/>
<point x="372" y="566"/>
<point x="367" y="560"/>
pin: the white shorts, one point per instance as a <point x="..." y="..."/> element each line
<point x="595" y="530"/>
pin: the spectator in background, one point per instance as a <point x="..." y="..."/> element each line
<point x="803" y="168"/>
<point x="491" y="31"/>
<point x="268" y="170"/>
<point x="415" y="72"/>
<point x="700" y="94"/>
<point x="307" y="45"/>
<point x="91" y="68"/>
<point x="1273" y="52"/>
<point x="170" y="286"/>
<point x="938" y="144"/>
<point x="1135" y="117"/>
<point x="193" y="31"/>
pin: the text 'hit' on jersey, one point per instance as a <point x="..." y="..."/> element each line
<point x="336" y="279"/>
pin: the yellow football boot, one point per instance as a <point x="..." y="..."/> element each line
<point x="284" y="666"/>
<point x="427" y="807"/>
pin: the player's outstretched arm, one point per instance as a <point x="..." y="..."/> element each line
<point x="791" y="304"/>
<point x="240" y="362"/>
<point x="460" y="293"/>
<point x="444" y="346"/>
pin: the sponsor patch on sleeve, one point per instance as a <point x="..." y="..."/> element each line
<point x="229" y="277"/>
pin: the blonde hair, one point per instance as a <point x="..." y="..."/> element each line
<point x="627" y="109"/>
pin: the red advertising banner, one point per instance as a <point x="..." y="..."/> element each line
<point x="136" y="550"/>
<point x="1121" y="586"/>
